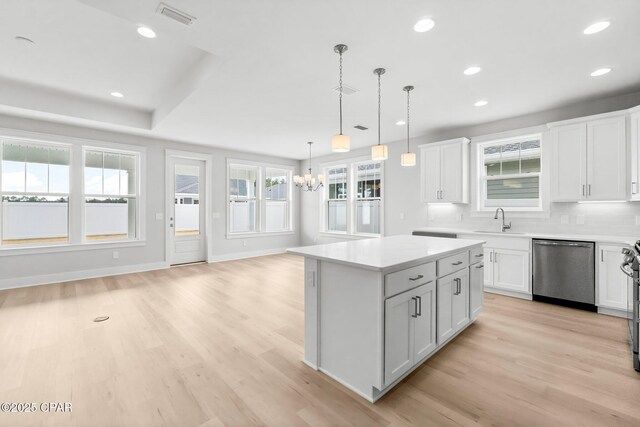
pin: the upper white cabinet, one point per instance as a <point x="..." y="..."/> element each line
<point x="634" y="128"/>
<point x="444" y="171"/>
<point x="589" y="160"/>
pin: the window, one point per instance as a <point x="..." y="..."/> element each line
<point x="110" y="195"/>
<point x="510" y="174"/>
<point x="35" y="193"/>
<point x="259" y="198"/>
<point x="353" y="198"/>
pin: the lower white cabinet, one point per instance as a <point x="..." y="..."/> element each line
<point x="613" y="285"/>
<point x="476" y="288"/>
<point x="507" y="269"/>
<point x="410" y="329"/>
<point x="453" y="304"/>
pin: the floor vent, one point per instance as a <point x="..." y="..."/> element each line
<point x="175" y="14"/>
<point x="346" y="90"/>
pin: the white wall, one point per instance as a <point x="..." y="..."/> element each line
<point x="153" y="252"/>
<point x="402" y="185"/>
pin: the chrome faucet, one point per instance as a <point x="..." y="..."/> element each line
<point x="505" y="227"/>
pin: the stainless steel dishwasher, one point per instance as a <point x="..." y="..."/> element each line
<point x="564" y="273"/>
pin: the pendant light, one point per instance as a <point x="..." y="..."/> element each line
<point x="307" y="181"/>
<point x="340" y="143"/>
<point x="408" y="158"/>
<point x="380" y="151"/>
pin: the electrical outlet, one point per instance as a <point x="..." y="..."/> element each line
<point x="116" y="255"/>
<point x="564" y="219"/>
<point x="215" y="215"/>
<point x="244" y="243"/>
<point x="159" y="216"/>
<point x="580" y="219"/>
<point x="401" y="215"/>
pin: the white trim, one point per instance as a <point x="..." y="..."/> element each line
<point x="514" y="294"/>
<point x="463" y="140"/>
<point x="53" y="248"/>
<point x="339" y="235"/>
<point x="614" y="312"/>
<point x="252" y="235"/>
<point x="589" y="118"/>
<point x="45" y="279"/>
<point x="244" y="255"/>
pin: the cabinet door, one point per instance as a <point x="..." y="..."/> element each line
<point x="398" y="333"/>
<point x="511" y="270"/>
<point x="488" y="268"/>
<point x="430" y="174"/>
<point x="425" y="323"/>
<point x="569" y="176"/>
<point x="451" y="173"/>
<point x="606" y="159"/>
<point x="612" y="283"/>
<point x="446" y="327"/>
<point x="476" y="287"/>
<point x="635" y="155"/>
<point x="461" y="300"/>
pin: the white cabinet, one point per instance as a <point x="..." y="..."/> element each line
<point x="444" y="171"/>
<point x="634" y="128"/>
<point x="613" y="285"/>
<point x="476" y="287"/>
<point x="453" y="304"/>
<point x="589" y="160"/>
<point x="410" y="330"/>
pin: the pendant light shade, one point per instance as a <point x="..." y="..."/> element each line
<point x="408" y="158"/>
<point x="340" y="143"/>
<point x="380" y="151"/>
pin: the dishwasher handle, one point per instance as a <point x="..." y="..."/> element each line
<point x="558" y="243"/>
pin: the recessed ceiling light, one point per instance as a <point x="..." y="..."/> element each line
<point x="24" y="40"/>
<point x="401" y="123"/>
<point x="597" y="27"/>
<point x="117" y="94"/>
<point x="600" y="72"/>
<point x="146" y="32"/>
<point x="472" y="70"/>
<point x="481" y="103"/>
<point x="424" y="25"/>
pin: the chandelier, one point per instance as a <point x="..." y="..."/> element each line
<point x="307" y="182"/>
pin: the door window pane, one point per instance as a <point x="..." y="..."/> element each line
<point x="187" y="194"/>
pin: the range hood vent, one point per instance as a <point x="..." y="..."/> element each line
<point x="175" y="14"/>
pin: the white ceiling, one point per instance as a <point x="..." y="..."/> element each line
<point x="257" y="75"/>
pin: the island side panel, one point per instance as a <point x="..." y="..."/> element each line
<point x="311" y="281"/>
<point x="351" y="315"/>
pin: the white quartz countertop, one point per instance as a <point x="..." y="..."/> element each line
<point x="624" y="240"/>
<point x="382" y="253"/>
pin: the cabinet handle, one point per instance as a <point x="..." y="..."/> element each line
<point x="441" y="194"/>
<point x="583" y="186"/>
<point x="495" y="257"/>
<point x="437" y="194"/>
<point x="419" y="306"/>
<point x="491" y="256"/>
<point x="456" y="263"/>
<point x="415" y="307"/>
<point x="589" y="189"/>
<point x="479" y="255"/>
<point x="602" y="255"/>
<point x="418" y="277"/>
<point x="457" y="288"/>
<point x="634" y="189"/>
<point x="480" y="266"/>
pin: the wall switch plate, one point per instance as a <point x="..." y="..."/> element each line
<point x="116" y="255"/>
<point x="564" y="219"/>
<point x="580" y="219"/>
<point x="159" y="216"/>
<point x="401" y="215"/>
<point x="244" y="243"/>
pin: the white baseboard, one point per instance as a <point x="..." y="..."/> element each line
<point x="614" y="312"/>
<point x="45" y="279"/>
<point x="513" y="294"/>
<point x="243" y="255"/>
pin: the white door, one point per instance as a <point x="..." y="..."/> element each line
<point x="511" y="270"/>
<point x="399" y="312"/>
<point x="425" y="323"/>
<point x="476" y="295"/>
<point x="451" y="174"/>
<point x="430" y="171"/>
<point x="607" y="159"/>
<point x="569" y="175"/>
<point x="187" y="193"/>
<point x="612" y="283"/>
<point x="460" y="303"/>
<point x="446" y="327"/>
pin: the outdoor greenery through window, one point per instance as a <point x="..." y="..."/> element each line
<point x="510" y="175"/>
<point x="259" y="198"/>
<point x="35" y="193"/>
<point x="357" y="208"/>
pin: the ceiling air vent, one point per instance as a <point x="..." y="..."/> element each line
<point x="360" y="127"/>
<point x="175" y="14"/>
<point x="346" y="90"/>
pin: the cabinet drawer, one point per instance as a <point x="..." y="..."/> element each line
<point x="453" y="263"/>
<point x="476" y="255"/>
<point x="403" y="280"/>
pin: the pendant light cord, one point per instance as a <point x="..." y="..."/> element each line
<point x="379" y="107"/>
<point x="340" y="92"/>
<point x="310" y="157"/>
<point x="408" y="149"/>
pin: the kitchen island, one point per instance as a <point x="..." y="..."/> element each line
<point x="375" y="309"/>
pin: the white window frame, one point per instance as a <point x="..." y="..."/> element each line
<point x="261" y="201"/>
<point x="352" y="179"/>
<point x="482" y="178"/>
<point x="76" y="191"/>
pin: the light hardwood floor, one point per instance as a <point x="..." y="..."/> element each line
<point x="221" y="344"/>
